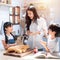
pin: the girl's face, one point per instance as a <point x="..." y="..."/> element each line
<point x="30" y="14"/>
<point x="51" y="32"/>
<point x="9" y="29"/>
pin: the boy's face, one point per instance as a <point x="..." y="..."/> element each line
<point x="50" y="32"/>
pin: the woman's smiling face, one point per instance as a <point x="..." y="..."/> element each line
<point x="30" y="14"/>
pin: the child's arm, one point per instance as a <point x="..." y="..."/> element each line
<point x="6" y="46"/>
<point x="45" y="45"/>
<point x="43" y="42"/>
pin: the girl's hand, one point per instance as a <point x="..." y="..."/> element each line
<point x="43" y="43"/>
<point x="47" y="49"/>
<point x="13" y="44"/>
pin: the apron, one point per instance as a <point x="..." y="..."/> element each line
<point x="11" y="41"/>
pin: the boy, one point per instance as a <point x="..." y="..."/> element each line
<point x="51" y="45"/>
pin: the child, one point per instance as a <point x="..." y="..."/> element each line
<point x="51" y="44"/>
<point x="9" y="39"/>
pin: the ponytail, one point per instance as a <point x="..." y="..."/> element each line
<point x="6" y="38"/>
<point x="6" y="25"/>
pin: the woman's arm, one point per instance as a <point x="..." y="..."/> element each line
<point x="33" y="33"/>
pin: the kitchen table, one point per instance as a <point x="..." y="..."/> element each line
<point x="27" y="57"/>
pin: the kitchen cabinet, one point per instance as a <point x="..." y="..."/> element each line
<point x="17" y="29"/>
<point x="14" y="15"/>
<point x="14" y="18"/>
<point x="5" y="2"/>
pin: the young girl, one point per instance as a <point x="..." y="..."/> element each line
<point x="36" y="27"/>
<point x="9" y="39"/>
<point x="51" y="45"/>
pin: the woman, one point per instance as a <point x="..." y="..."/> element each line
<point x="8" y="38"/>
<point x="36" y="27"/>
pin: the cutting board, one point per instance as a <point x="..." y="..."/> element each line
<point x="29" y="51"/>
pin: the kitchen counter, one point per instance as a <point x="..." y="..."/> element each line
<point x="27" y="57"/>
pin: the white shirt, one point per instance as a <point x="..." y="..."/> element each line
<point x="9" y="37"/>
<point x="34" y="41"/>
<point x="39" y="26"/>
<point x="52" y="44"/>
<point x="3" y="38"/>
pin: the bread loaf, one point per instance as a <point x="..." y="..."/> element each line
<point x="18" y="48"/>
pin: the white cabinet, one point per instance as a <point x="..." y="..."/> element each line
<point x="17" y="29"/>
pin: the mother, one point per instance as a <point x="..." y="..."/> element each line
<point x="36" y="27"/>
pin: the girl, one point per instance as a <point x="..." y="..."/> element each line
<point x="36" y="27"/>
<point x="51" y="45"/>
<point x="9" y="39"/>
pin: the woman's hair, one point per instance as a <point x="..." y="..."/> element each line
<point x="54" y="28"/>
<point x="6" y="25"/>
<point x="28" y="20"/>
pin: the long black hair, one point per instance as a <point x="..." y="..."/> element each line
<point x="6" y="25"/>
<point x="28" y="20"/>
<point x="55" y="28"/>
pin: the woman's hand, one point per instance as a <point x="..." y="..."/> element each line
<point x="32" y="33"/>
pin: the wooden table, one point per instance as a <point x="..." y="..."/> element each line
<point x="27" y="57"/>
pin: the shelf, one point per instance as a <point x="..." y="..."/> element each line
<point x="14" y="14"/>
<point x="15" y="23"/>
<point x="4" y="4"/>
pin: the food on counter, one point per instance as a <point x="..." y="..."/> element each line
<point x="35" y="50"/>
<point x="18" y="49"/>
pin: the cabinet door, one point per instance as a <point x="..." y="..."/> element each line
<point x="17" y="30"/>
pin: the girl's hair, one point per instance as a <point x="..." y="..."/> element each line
<point x="55" y="28"/>
<point x="6" y="25"/>
<point x="28" y="20"/>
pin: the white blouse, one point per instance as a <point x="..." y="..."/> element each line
<point x="52" y="44"/>
<point x="34" y="41"/>
<point x="39" y="26"/>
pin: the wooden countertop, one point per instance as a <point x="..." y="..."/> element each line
<point x="27" y="57"/>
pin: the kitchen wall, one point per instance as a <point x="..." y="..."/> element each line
<point x="4" y="12"/>
<point x="4" y="15"/>
<point x="55" y="5"/>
